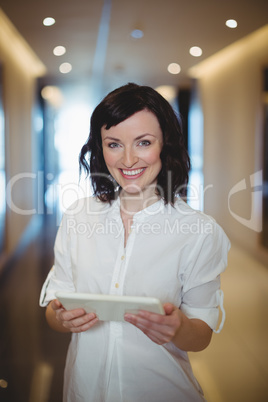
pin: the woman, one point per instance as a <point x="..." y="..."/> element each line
<point x="136" y="236"/>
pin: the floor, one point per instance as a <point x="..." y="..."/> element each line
<point x="233" y="368"/>
<point x="32" y="356"/>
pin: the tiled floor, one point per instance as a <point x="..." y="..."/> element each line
<point x="234" y="368"/>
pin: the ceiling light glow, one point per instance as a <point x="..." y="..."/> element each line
<point x="48" y="21"/>
<point x="174" y="68"/>
<point x="3" y="383"/>
<point x="53" y="95"/>
<point x="196" y="51"/>
<point x="168" y="92"/>
<point x="231" y="23"/>
<point x="65" y="68"/>
<point x="59" y="50"/>
<point x="137" y="34"/>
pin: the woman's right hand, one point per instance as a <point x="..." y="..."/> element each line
<point x="74" y="321"/>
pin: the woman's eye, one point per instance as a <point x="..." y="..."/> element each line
<point x="144" y="143"/>
<point x="113" y="145"/>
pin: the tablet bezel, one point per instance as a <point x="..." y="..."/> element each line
<point x="109" y="307"/>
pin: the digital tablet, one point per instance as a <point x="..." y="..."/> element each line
<point x="109" y="307"/>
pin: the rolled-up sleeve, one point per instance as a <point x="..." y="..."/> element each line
<point x="60" y="276"/>
<point x="201" y="294"/>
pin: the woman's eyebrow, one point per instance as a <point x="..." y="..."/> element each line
<point x="137" y="138"/>
<point x="112" y="139"/>
<point x="143" y="135"/>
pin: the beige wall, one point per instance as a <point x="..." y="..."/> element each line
<point x="231" y="88"/>
<point x="20" y="69"/>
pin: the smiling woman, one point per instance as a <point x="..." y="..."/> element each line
<point x="136" y="237"/>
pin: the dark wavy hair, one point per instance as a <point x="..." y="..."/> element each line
<point x="116" y="107"/>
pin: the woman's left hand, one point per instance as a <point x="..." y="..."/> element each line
<point x="159" y="328"/>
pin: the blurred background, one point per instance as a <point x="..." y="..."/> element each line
<point x="58" y="59"/>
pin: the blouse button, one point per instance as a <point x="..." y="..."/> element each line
<point x="117" y="285"/>
<point x="123" y="257"/>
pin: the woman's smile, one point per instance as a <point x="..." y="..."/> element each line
<point x="133" y="173"/>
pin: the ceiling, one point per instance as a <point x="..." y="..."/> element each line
<point x="96" y="34"/>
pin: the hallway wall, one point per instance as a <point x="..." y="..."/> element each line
<point x="230" y="85"/>
<point x="21" y="67"/>
<point x="231" y="92"/>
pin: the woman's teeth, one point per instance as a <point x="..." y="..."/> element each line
<point x="132" y="172"/>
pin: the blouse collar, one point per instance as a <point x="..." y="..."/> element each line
<point x="144" y="214"/>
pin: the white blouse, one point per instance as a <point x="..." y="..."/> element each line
<point x="173" y="253"/>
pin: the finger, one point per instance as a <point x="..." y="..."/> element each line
<point x="164" y="332"/>
<point x="153" y="317"/>
<point x="162" y="320"/>
<point x="77" y="323"/>
<point x="169" y="308"/>
<point x="172" y="317"/>
<point x="155" y="323"/>
<point x="143" y="318"/>
<point x="56" y="304"/>
<point x="160" y="329"/>
<point x="85" y="326"/>
<point x="155" y="335"/>
<point x="68" y="315"/>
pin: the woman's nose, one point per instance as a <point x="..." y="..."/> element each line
<point x="129" y="158"/>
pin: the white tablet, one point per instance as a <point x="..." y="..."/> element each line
<point x="109" y="307"/>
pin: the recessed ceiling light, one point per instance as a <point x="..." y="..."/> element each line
<point x="59" y="50"/>
<point x="174" y="68"/>
<point x="231" y="23"/>
<point x="65" y="68"/>
<point x="196" y="51"/>
<point x="137" y="34"/>
<point x="49" y="21"/>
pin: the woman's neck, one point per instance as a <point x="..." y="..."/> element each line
<point x="130" y="204"/>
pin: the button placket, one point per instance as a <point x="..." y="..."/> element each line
<point x="119" y="278"/>
<point x="115" y="280"/>
<point x="119" y="274"/>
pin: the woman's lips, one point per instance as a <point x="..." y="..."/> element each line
<point x="131" y="173"/>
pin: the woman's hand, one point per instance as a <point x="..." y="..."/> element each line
<point x="74" y="321"/>
<point x="187" y="334"/>
<point x="159" y="328"/>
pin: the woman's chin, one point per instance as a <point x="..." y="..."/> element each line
<point x="132" y="190"/>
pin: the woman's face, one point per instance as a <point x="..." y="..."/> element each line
<point x="131" y="152"/>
